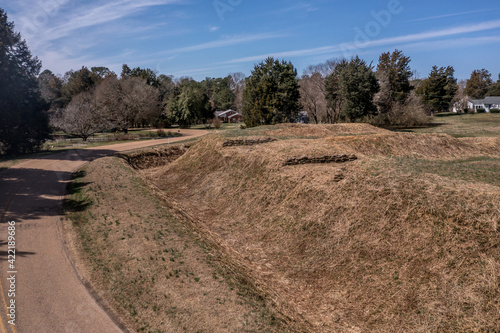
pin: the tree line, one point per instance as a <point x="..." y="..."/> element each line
<point x="87" y="101"/>
<point x="93" y="100"/>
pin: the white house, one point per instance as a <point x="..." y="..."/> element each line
<point x="488" y="103"/>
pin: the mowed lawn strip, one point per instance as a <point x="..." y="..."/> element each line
<point x="465" y="125"/>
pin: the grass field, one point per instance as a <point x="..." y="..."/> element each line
<point x="148" y="264"/>
<point x="465" y="125"/>
<point x="403" y="239"/>
<point x="62" y="141"/>
<point x="406" y="236"/>
<point x="223" y="126"/>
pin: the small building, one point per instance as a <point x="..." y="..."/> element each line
<point x="229" y="116"/>
<point x="487" y="103"/>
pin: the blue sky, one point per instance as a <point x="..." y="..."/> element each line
<point x="216" y="37"/>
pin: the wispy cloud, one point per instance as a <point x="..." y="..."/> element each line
<point x="213" y="28"/>
<point x="134" y="57"/>
<point x="453" y="43"/>
<point x="353" y="46"/>
<point x="299" y="7"/>
<point x="45" y="24"/>
<point x="453" y="14"/>
<point x="306" y="7"/>
<point x="102" y="14"/>
<point x="229" y="41"/>
<point x="204" y="71"/>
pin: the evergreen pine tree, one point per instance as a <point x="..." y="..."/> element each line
<point x="271" y="94"/>
<point x="396" y="66"/>
<point x="439" y="89"/>
<point x="23" y="118"/>
<point x="351" y="88"/>
<point x="478" y="84"/>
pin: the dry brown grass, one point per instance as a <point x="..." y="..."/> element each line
<point x="322" y="130"/>
<point x="148" y="265"/>
<point x="384" y="250"/>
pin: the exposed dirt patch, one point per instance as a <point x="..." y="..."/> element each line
<point x="155" y="157"/>
<point x="342" y="158"/>
<point x="247" y="142"/>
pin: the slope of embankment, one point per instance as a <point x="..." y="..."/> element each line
<point x="350" y="228"/>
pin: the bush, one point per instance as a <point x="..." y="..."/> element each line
<point x="480" y="110"/>
<point x="162" y="133"/>
<point x="217" y="123"/>
<point x="409" y="114"/>
<point x="495" y="111"/>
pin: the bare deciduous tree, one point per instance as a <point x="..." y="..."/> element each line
<point x="312" y="96"/>
<point x="81" y="117"/>
<point x="313" y="93"/>
<point x="237" y="86"/>
<point x="128" y="102"/>
<point x="460" y="99"/>
<point x="383" y="99"/>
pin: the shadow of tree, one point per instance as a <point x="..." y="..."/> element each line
<point x="75" y="201"/>
<point x="4" y="255"/>
<point x="410" y="129"/>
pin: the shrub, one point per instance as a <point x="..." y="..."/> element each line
<point x="469" y="111"/>
<point x="480" y="110"/>
<point x="409" y="114"/>
<point x="495" y="111"/>
<point x="162" y="133"/>
<point x="217" y="123"/>
<point x="170" y="134"/>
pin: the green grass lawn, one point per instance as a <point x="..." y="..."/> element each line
<point x="224" y="126"/>
<point x="479" y="169"/>
<point x="63" y="142"/>
<point x="464" y="125"/>
<point x="457" y="125"/>
<point x="103" y="139"/>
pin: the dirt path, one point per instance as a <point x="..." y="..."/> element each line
<point x="49" y="296"/>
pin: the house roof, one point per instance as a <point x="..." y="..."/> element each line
<point x="492" y="100"/>
<point x="235" y="115"/>
<point x="487" y="100"/>
<point x="221" y="113"/>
